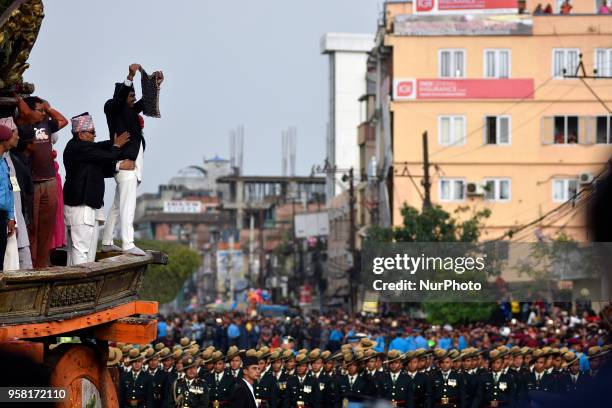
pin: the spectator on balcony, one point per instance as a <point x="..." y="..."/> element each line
<point x="538" y="10"/>
<point x="18" y="246"/>
<point x="604" y="9"/>
<point x="86" y="165"/>
<point x="548" y="9"/>
<point x="8" y="140"/>
<point x="566" y="7"/>
<point x="39" y="124"/>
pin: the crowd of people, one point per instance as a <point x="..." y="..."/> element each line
<point x="35" y="212"/>
<point x="333" y="360"/>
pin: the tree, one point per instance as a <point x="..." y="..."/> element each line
<point x="437" y="225"/>
<point x="163" y="282"/>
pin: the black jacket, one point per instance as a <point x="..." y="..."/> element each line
<point x="192" y="396"/>
<point x="400" y="391"/>
<point x="139" y="391"/>
<point x="450" y="390"/>
<point x="86" y="164"/>
<point x="242" y="397"/>
<point x="121" y="118"/>
<point x="307" y="392"/>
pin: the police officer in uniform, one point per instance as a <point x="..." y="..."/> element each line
<point x="326" y="377"/>
<point x="190" y="391"/>
<point x="159" y="376"/>
<point x="235" y="361"/>
<point x="220" y="382"/>
<point x="575" y="380"/>
<point x="266" y="388"/>
<point x="135" y="386"/>
<point x="446" y="385"/>
<point x="395" y="385"/>
<point x="302" y="389"/>
<point x="421" y="386"/>
<point x="353" y="385"/>
<point x="497" y="389"/>
<point x="538" y="379"/>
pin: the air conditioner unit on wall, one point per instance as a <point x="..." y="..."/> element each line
<point x="585" y="178"/>
<point x="475" y="189"/>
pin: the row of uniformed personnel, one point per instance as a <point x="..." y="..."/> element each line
<point x="187" y="377"/>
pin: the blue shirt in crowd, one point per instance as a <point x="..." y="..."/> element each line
<point x="6" y="190"/>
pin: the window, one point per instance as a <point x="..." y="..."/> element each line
<point x="565" y="59"/>
<point x="452" y="189"/>
<point x="451" y="130"/>
<point x="497" y="63"/>
<point x="566" y="129"/>
<point x="497" y="189"/>
<point x="497" y="130"/>
<point x="451" y="63"/>
<point x="603" y="62"/>
<point x="604" y="129"/>
<point x="564" y="189"/>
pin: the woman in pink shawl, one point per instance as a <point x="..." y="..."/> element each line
<point x="58" y="239"/>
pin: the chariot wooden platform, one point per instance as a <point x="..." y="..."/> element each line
<point x="94" y="303"/>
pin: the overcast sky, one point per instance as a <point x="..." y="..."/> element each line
<point x="256" y="63"/>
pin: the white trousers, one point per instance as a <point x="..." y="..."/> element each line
<point x="124" y="206"/>
<point x="11" y="255"/>
<point x="80" y="240"/>
<point x="82" y="234"/>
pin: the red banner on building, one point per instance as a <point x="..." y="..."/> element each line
<point x="432" y="6"/>
<point x="410" y="89"/>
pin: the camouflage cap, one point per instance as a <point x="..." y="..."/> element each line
<point x="186" y="342"/>
<point x="454" y="354"/>
<point x="515" y="351"/>
<point x="126" y="349"/>
<point x="302" y="359"/>
<point x="314" y="354"/>
<point x="188" y="362"/>
<point x="216" y="356"/>
<point x="164" y="353"/>
<point x="264" y="352"/>
<point x="410" y="355"/>
<point x="207" y="356"/>
<point x="134" y="355"/>
<point x="440" y="354"/>
<point x="149" y="354"/>
<point x="159" y="347"/>
<point x="232" y="352"/>
<point x="288" y="355"/>
<point x="570" y="358"/>
<point x="177" y="354"/>
<point x="326" y="355"/>
<point x="367" y="343"/>
<point x="346" y="347"/>
<point x="495" y="354"/>
<point x="393" y="355"/>
<point x="276" y="355"/>
<point x="595" y="351"/>
<point x="250" y="353"/>
<point x="302" y="351"/>
<point x="114" y="356"/>
<point x="526" y="351"/>
<point x="420" y="353"/>
<point x="369" y="353"/>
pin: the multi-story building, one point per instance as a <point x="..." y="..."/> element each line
<point x="507" y="129"/>
<point x="347" y="65"/>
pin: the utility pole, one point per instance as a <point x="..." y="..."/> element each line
<point x="426" y="181"/>
<point x="352" y="232"/>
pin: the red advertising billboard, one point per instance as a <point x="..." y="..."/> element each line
<point x="479" y="6"/>
<point x="452" y="88"/>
